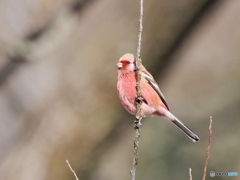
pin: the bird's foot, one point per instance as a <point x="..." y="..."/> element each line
<point x="137" y="124"/>
<point x="139" y="99"/>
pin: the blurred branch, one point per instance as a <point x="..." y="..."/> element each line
<point x="74" y="7"/>
<point x="10" y="67"/>
<point x="79" y="4"/>
<point x="72" y="169"/>
<point x="137" y="122"/>
<point x="36" y="34"/>
<point x="167" y="58"/>
<point x="208" y="149"/>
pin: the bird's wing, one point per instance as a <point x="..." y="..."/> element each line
<point x="148" y="77"/>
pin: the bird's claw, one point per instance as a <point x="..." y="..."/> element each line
<point x="137" y="124"/>
<point x="139" y="99"/>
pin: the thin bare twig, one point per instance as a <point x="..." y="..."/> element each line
<point x="135" y="154"/>
<point x="72" y="169"/>
<point x="137" y="122"/>
<point x="208" y="149"/>
<point x="190" y="173"/>
<point x="140" y="30"/>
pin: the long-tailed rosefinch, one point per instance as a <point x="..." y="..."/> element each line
<point x="153" y="101"/>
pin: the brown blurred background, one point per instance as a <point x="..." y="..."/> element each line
<point x="58" y="95"/>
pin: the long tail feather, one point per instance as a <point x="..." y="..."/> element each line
<point x="186" y="130"/>
<point x="181" y="126"/>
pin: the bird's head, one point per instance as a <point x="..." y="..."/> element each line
<point x="127" y="63"/>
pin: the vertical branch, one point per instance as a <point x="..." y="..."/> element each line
<point x="138" y="65"/>
<point x="140" y="31"/>
<point x="138" y="117"/>
<point x="135" y="154"/>
<point x="208" y="149"/>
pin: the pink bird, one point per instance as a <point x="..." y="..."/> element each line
<point x="153" y="101"/>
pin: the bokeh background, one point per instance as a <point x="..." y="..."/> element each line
<point x="58" y="96"/>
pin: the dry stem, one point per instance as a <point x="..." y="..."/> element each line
<point x="137" y="123"/>
<point x="208" y="149"/>
<point x="190" y="173"/>
<point x="72" y="170"/>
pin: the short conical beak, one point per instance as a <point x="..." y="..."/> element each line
<point x="119" y="65"/>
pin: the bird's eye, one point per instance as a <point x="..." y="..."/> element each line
<point x="125" y="62"/>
